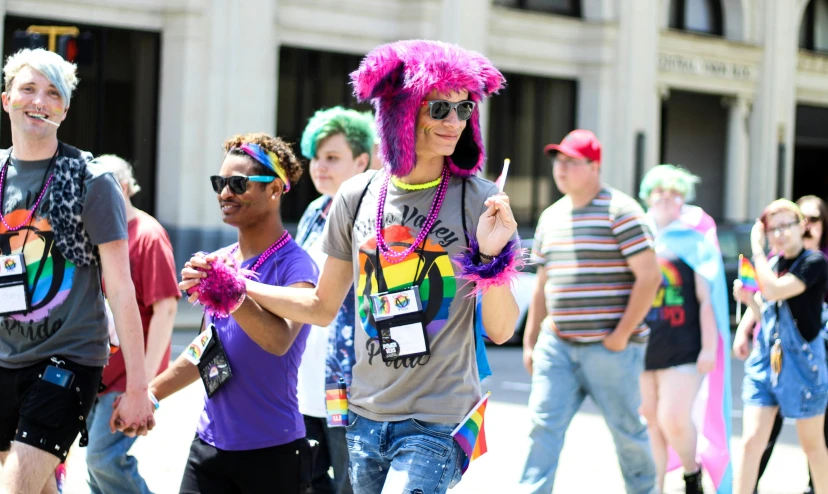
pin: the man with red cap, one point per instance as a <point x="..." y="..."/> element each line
<point x="584" y="333"/>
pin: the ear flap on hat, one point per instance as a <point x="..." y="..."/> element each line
<point x="379" y="74"/>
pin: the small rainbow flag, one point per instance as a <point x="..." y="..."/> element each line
<point x="747" y="275"/>
<point x="470" y="434"/>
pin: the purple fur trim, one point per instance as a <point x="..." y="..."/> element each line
<point x="221" y="290"/>
<point x="398" y="76"/>
<point x="503" y="269"/>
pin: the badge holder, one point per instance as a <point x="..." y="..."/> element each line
<point x="400" y="323"/>
<point x="14" y="285"/>
<point x="207" y="353"/>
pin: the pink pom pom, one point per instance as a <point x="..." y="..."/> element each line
<point x="222" y="290"/>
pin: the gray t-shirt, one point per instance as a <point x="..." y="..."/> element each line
<point x="443" y="386"/>
<point x="67" y="315"/>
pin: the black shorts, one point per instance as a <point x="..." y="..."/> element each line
<point x="42" y="414"/>
<point x="284" y="469"/>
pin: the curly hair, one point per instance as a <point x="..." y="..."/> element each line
<point x="287" y="160"/>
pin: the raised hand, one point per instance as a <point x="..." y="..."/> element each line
<point x="496" y="226"/>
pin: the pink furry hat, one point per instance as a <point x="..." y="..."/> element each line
<point x="396" y="77"/>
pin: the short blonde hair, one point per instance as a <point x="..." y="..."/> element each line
<point x="122" y="171"/>
<point x="778" y="206"/>
<point x="62" y="74"/>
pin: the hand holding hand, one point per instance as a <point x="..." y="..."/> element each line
<point x="132" y="414"/>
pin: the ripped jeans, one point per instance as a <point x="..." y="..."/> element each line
<point x="411" y="456"/>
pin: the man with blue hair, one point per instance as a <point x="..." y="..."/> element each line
<point x="338" y="143"/>
<point x="63" y="227"/>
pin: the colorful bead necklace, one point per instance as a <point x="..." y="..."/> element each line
<point x="393" y="256"/>
<point x="284" y="239"/>
<point x="404" y="186"/>
<point x="43" y="189"/>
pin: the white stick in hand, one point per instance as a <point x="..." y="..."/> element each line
<point x="49" y="121"/>
<point x="501" y="180"/>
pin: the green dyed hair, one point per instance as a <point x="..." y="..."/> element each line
<point x="669" y="177"/>
<point x="358" y="129"/>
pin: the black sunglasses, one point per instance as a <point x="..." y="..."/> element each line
<point x="237" y="183"/>
<point x="439" y="109"/>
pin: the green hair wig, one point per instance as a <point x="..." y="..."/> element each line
<point x="669" y="177"/>
<point x="358" y="129"/>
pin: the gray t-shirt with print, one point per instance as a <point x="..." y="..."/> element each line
<point x="67" y="315"/>
<point x="443" y="386"/>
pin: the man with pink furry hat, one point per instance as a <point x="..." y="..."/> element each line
<point x="418" y="239"/>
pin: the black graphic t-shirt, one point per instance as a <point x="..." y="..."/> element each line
<point x="675" y="332"/>
<point x="806" y="307"/>
<point x="67" y="315"/>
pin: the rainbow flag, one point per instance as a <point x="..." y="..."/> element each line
<point x="470" y="434"/>
<point x="747" y="275"/>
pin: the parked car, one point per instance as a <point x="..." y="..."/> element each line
<point x="734" y="239"/>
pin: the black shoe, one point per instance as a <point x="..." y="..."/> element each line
<point x="693" y="482"/>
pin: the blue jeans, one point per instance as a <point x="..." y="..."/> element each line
<point x="406" y="457"/>
<point x="564" y="374"/>
<point x="110" y="468"/>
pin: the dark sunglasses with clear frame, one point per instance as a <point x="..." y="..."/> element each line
<point x="237" y="183"/>
<point x="439" y="109"/>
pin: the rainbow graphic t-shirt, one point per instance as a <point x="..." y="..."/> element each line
<point x="442" y="386"/>
<point x="66" y="315"/>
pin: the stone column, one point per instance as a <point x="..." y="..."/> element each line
<point x="737" y="169"/>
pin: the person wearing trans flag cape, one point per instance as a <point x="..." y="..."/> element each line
<point x="686" y="243"/>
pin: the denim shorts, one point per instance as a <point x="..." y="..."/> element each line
<point x="410" y="456"/>
<point x="801" y="388"/>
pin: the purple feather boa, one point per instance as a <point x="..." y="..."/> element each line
<point x="503" y="269"/>
<point x="223" y="288"/>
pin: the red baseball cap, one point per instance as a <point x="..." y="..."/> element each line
<point x="579" y="143"/>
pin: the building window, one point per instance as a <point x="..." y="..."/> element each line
<point x="530" y="113"/>
<point x="813" y="32"/>
<point x="697" y="16"/>
<point x="571" y="8"/>
<point x="310" y="80"/>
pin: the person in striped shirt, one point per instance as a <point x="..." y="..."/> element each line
<point x="585" y="333"/>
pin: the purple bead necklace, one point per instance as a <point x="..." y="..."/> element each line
<point x="392" y="256"/>
<point x="32" y="212"/>
<point x="284" y="239"/>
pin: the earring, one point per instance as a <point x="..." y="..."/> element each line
<point x="273" y="196"/>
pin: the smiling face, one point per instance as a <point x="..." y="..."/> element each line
<point x="438" y="138"/>
<point x="257" y="202"/>
<point x="31" y="96"/>
<point x="815" y="224"/>
<point x="335" y="163"/>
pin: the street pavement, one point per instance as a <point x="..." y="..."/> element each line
<point x="588" y="463"/>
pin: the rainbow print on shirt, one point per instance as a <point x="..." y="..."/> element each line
<point x="669" y="301"/>
<point x="435" y="277"/>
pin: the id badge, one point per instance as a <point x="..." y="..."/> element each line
<point x="14" y="285"/>
<point x="403" y="337"/>
<point x="387" y="305"/>
<point x="213" y="366"/>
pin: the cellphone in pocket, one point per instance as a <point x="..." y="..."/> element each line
<point x="59" y="376"/>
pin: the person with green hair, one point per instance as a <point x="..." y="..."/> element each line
<point x="690" y="330"/>
<point x="338" y="142"/>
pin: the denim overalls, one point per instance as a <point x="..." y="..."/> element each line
<point x="801" y="387"/>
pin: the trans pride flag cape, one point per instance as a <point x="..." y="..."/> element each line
<point x="693" y="239"/>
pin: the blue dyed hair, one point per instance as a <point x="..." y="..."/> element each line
<point x="59" y="72"/>
<point x="358" y="129"/>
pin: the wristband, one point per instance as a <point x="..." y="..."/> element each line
<point x="154" y="400"/>
<point x="502" y="270"/>
<point x="486" y="256"/>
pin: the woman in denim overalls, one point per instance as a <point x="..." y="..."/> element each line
<point x="785" y="371"/>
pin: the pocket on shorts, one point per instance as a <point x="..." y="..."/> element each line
<point x="814" y="400"/>
<point x="352" y="421"/>
<point x="431" y="438"/>
<point x="49" y="405"/>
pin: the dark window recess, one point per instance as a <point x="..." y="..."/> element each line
<point x="571" y="8"/>
<point x="310" y="80"/>
<point x="530" y="113"/>
<point x="114" y="109"/>
<point x="813" y="32"/>
<point x="697" y="16"/>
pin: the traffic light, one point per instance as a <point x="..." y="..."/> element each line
<point x="66" y="41"/>
<point x="67" y="47"/>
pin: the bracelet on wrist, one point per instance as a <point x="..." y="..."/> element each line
<point x="155" y="404"/>
<point x="486" y="256"/>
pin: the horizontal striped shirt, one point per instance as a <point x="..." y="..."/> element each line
<point x="584" y="252"/>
